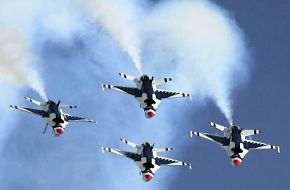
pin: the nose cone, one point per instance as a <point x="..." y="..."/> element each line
<point x="59" y="131"/>
<point x="150" y="114"/>
<point x="237" y="162"/>
<point x="147" y="177"/>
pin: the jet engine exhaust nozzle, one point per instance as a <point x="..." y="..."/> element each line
<point x="237" y="162"/>
<point x="147" y="177"/>
<point x="59" y="131"/>
<point x="150" y="114"/>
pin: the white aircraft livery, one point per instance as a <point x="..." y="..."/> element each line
<point x="146" y="92"/>
<point x="235" y="141"/>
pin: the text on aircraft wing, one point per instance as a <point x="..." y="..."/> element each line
<point x="167" y="161"/>
<point x="30" y="110"/>
<point x="219" y="139"/>
<point x="80" y="119"/>
<point x="131" y="155"/>
<point x="129" y="90"/>
<point x="161" y="94"/>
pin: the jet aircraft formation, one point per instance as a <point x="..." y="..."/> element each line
<point x="234" y="140"/>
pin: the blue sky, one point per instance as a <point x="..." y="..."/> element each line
<point x="74" y="60"/>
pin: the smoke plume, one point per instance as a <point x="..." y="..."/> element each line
<point x="120" y="18"/>
<point x="200" y="44"/>
<point x="17" y="64"/>
<point x="196" y="41"/>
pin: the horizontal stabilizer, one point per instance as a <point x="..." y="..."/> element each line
<point x="162" y="149"/>
<point x="249" y="132"/>
<point x="134" y="145"/>
<point x="128" y="77"/>
<point x="219" y="127"/>
<point x="161" y="81"/>
<point x="33" y="101"/>
<point x="67" y="106"/>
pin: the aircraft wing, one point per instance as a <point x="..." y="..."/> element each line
<point x="129" y="90"/>
<point x="131" y="155"/>
<point x="30" y="110"/>
<point x="161" y="94"/>
<point x="218" y="139"/>
<point x="249" y="144"/>
<point x="167" y="161"/>
<point x="78" y="119"/>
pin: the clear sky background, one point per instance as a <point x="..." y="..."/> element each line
<point x="74" y="60"/>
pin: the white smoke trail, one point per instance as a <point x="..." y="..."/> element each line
<point x="120" y="19"/>
<point x="16" y="63"/>
<point x="205" y="46"/>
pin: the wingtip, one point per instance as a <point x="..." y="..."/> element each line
<point x="189" y="165"/>
<point x="278" y="149"/>
<point x="211" y="123"/>
<point x="103" y="149"/>
<point x="191" y="133"/>
<point x="11" y="106"/>
<point x="103" y="87"/>
<point x="190" y="97"/>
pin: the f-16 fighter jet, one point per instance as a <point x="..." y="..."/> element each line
<point x="146" y="158"/>
<point x="235" y="141"/>
<point x="146" y="92"/>
<point x="54" y="115"/>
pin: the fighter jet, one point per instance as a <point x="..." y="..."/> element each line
<point x="146" y="158"/>
<point x="235" y="141"/>
<point x="54" y="115"/>
<point x="146" y="92"/>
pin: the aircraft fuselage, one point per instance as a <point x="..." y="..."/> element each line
<point x="235" y="149"/>
<point x="148" y="100"/>
<point x="55" y="118"/>
<point x="146" y="163"/>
